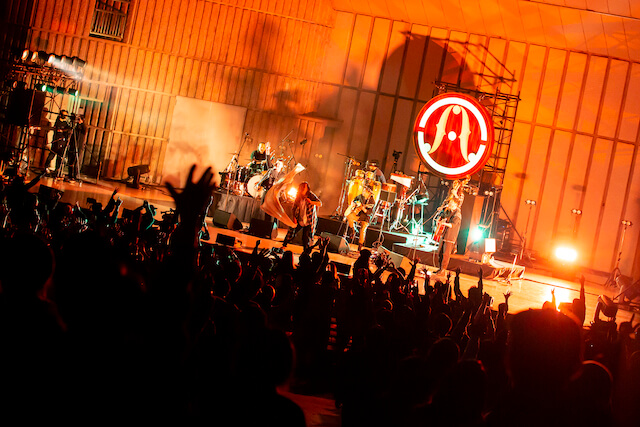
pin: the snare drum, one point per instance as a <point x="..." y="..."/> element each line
<point x="370" y="176"/>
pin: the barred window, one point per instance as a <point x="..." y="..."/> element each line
<point x="110" y="19"/>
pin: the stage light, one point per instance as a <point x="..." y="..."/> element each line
<point x="78" y="65"/>
<point x="55" y="60"/>
<point x="292" y="192"/>
<point x="566" y="254"/>
<point x="46" y="88"/>
<point x="65" y="63"/>
<point x="73" y="92"/>
<point x="25" y="54"/>
<point x="477" y="233"/>
<point x="530" y="202"/>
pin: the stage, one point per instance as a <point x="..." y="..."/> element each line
<point x="530" y="290"/>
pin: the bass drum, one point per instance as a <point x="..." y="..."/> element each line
<point x="253" y="186"/>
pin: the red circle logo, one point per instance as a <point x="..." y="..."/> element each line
<point x="453" y="134"/>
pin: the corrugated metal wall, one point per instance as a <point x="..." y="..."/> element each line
<point x="576" y="133"/>
<point x="262" y="55"/>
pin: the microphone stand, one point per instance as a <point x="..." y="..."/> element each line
<point x="286" y="139"/>
<point x="234" y="174"/>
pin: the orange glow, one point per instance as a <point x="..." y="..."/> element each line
<point x="292" y="192"/>
<point x="566" y="254"/>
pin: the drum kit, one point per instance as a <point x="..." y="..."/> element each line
<point x="254" y="179"/>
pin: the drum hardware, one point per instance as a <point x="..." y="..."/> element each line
<point x="417" y="227"/>
<point x="397" y="224"/>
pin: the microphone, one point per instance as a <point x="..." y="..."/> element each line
<point x="304" y="141"/>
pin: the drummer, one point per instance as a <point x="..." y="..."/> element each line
<point x="260" y="158"/>
<point x="372" y="166"/>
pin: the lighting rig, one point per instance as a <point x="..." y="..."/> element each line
<point x="35" y="82"/>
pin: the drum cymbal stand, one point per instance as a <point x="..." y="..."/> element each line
<point x="397" y="224"/>
<point x="233" y="168"/>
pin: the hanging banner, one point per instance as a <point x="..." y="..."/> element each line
<point x="453" y="135"/>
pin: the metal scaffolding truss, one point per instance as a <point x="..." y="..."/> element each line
<point x="18" y="77"/>
<point x="502" y="108"/>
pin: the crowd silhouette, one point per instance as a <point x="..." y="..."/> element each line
<point x="114" y="316"/>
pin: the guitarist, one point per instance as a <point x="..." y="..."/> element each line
<point x="62" y="129"/>
<point x="453" y="213"/>
<point x="360" y="211"/>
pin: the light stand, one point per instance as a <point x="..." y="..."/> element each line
<point x="615" y="275"/>
<point x="531" y="204"/>
<point x="519" y="257"/>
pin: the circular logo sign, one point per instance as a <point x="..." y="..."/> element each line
<point x="453" y="135"/>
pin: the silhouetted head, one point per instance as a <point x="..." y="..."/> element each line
<point x="28" y="264"/>
<point x="544" y="350"/>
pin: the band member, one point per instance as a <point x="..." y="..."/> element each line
<point x="62" y="128"/>
<point x="372" y="166"/>
<point x="272" y="175"/>
<point x="360" y="212"/>
<point x="305" y="216"/>
<point x="452" y="213"/>
<point x="261" y="158"/>
<point x="76" y="147"/>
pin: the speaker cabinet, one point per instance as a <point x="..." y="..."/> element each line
<point x="343" y="269"/>
<point x="226" y="220"/>
<point x="471" y="213"/>
<point x="337" y="244"/>
<point x="263" y="228"/>
<point x="25" y="107"/>
<point x="400" y="261"/>
<point x="223" y="239"/>
<point x="48" y="193"/>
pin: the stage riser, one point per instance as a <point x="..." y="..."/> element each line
<point x="431" y="258"/>
<point x="244" y="208"/>
<point x="333" y="226"/>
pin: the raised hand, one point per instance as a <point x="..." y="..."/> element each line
<point x="194" y="198"/>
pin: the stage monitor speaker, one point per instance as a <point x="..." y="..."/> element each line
<point x="25" y="107"/>
<point x="337" y="244"/>
<point x="263" y="228"/>
<point x="223" y="239"/>
<point x="343" y="269"/>
<point x="226" y="220"/>
<point x="400" y="261"/>
<point x="48" y="193"/>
